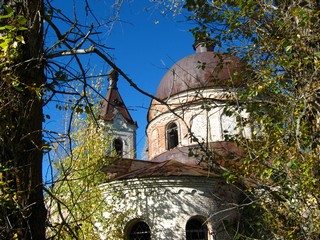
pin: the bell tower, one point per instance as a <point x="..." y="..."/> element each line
<point x="118" y="120"/>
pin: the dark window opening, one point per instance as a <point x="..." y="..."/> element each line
<point x="196" y="230"/>
<point x="140" y="231"/>
<point x="172" y="136"/>
<point x="118" y="147"/>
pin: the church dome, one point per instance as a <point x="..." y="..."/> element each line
<point x="204" y="69"/>
<point x="200" y="70"/>
<point x="204" y="80"/>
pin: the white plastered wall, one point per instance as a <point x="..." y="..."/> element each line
<point x="119" y="128"/>
<point x="207" y="124"/>
<point x="167" y="203"/>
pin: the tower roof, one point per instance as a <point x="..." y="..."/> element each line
<point x="112" y="102"/>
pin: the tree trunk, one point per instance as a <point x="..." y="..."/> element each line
<point x="23" y="213"/>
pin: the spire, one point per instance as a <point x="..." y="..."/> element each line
<point x="113" y="78"/>
<point x="112" y="102"/>
<point x="204" y="45"/>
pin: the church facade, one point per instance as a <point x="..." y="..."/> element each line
<point x="178" y="193"/>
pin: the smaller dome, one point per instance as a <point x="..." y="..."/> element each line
<point x="199" y="70"/>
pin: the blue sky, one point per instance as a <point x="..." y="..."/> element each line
<point x="145" y="48"/>
<point x="145" y="45"/>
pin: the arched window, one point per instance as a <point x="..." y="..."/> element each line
<point x="118" y="147"/>
<point x="196" y="230"/>
<point x="139" y="231"/>
<point x="172" y="136"/>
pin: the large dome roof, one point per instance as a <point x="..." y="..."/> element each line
<point x="199" y="70"/>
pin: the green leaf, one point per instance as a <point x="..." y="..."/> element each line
<point x="6" y="27"/>
<point x="21" y="20"/>
<point x="9" y="15"/>
<point x="20" y="39"/>
<point x="288" y="48"/>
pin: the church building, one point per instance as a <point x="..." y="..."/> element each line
<point x="179" y="192"/>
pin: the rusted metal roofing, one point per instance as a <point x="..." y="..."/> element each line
<point x="113" y="103"/>
<point x="223" y="151"/>
<point x="168" y="168"/>
<point x="200" y="70"/>
<point x="166" y="165"/>
<point x="121" y="166"/>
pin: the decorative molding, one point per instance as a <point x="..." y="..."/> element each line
<point x="164" y="185"/>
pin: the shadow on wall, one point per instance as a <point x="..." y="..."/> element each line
<point x="167" y="204"/>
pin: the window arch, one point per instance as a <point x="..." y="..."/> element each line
<point x="172" y="135"/>
<point x="196" y="229"/>
<point x="118" y="147"/>
<point x="139" y="231"/>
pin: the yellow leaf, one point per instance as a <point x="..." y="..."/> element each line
<point x="20" y="39"/>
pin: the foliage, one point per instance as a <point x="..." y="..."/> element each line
<point x="21" y="78"/>
<point x="10" y="37"/>
<point x="78" y="202"/>
<point x="78" y="206"/>
<point x="9" y="42"/>
<point x="33" y="34"/>
<point x="279" y="40"/>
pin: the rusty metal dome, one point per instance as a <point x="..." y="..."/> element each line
<point x="200" y="70"/>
